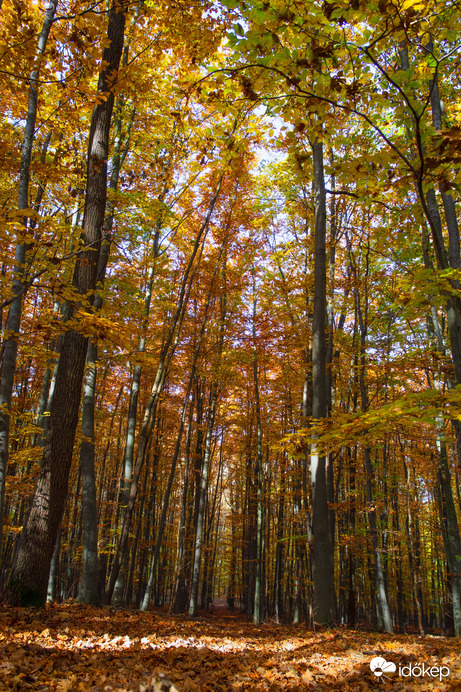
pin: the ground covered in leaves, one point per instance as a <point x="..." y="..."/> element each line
<point x="73" y="647"/>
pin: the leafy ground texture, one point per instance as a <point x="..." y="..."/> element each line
<point x="73" y="647"/>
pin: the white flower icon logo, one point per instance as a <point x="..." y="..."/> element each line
<point x="380" y="666"/>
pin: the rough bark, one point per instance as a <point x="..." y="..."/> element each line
<point x="13" y="321"/>
<point x="29" y="577"/>
<point x="322" y="558"/>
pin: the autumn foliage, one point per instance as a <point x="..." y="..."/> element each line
<point x="76" y="648"/>
<point x="231" y="352"/>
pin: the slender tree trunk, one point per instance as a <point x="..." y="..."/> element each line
<point x="449" y="523"/>
<point x="384" y="615"/>
<point x="411" y="552"/>
<point x="448" y="202"/>
<point x="166" y="357"/>
<point x="89" y="581"/>
<point x="249" y="531"/>
<point x="212" y="545"/>
<point x="385" y="619"/>
<point x="279" y="550"/>
<point x="126" y="483"/>
<point x="447" y="510"/>
<point x="131" y="428"/>
<point x="179" y="603"/>
<point x="166" y="498"/>
<point x="233" y="557"/>
<point x="50" y="594"/>
<point x="257" y="615"/>
<point x="29" y="577"/>
<point x="193" y="603"/>
<point x="351" y="600"/>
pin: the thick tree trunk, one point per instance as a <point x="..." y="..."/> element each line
<point x="322" y="557"/>
<point x="29" y="577"/>
<point x="13" y="321"/>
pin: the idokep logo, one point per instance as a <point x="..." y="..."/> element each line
<point x="380" y="667"/>
<point x="386" y="669"/>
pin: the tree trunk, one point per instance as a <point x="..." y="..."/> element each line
<point x="89" y="581"/>
<point x="449" y="524"/>
<point x="322" y="557"/>
<point x="257" y="615"/>
<point x="193" y="603"/>
<point x="166" y="499"/>
<point x="166" y="357"/>
<point x="13" y="321"/>
<point x="179" y="603"/>
<point x="29" y="577"/>
<point x="379" y="590"/>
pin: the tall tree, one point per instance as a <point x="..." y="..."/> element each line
<point x="29" y="576"/>
<point x="322" y="555"/>
<point x="13" y="322"/>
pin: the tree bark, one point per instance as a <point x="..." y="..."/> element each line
<point x="13" y="321"/>
<point x="449" y="525"/>
<point x="322" y="558"/>
<point x="89" y="581"/>
<point x="29" y="577"/>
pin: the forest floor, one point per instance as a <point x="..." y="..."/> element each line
<point x="70" y="647"/>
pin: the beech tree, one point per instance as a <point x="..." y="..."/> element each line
<point x="29" y="575"/>
<point x="13" y="321"/>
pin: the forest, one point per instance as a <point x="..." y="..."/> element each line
<point x="230" y="310"/>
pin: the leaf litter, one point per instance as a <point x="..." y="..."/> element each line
<point x="72" y="647"/>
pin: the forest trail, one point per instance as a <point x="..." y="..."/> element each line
<point x="70" y="647"/>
